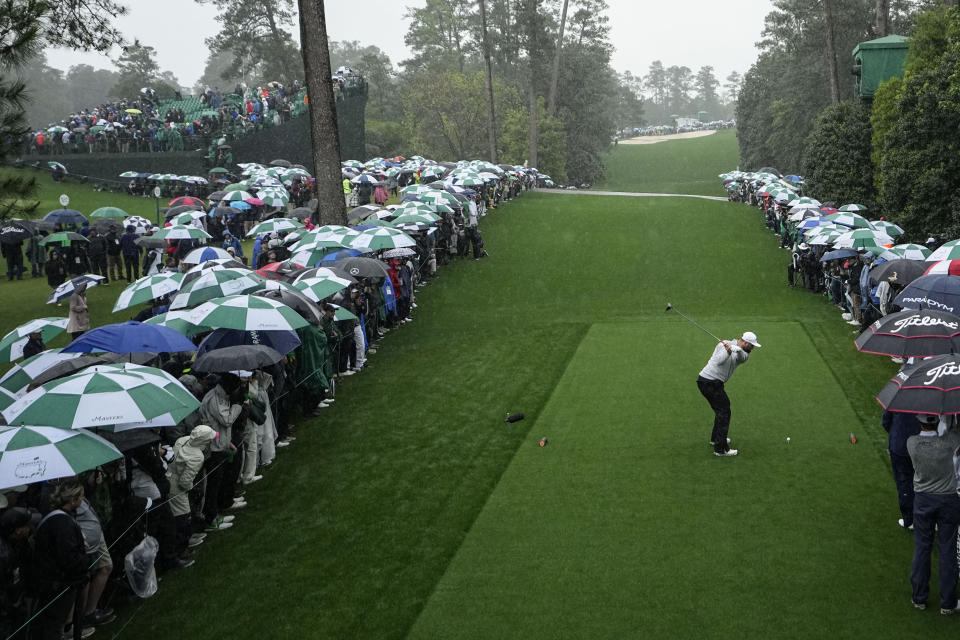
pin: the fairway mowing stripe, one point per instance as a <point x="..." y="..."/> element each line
<point x="630" y="194"/>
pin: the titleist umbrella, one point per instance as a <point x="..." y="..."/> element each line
<point x="928" y="386"/>
<point x="912" y="333"/>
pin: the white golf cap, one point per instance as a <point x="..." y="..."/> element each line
<point x="751" y="337"/>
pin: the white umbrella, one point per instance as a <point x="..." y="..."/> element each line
<point x="30" y="454"/>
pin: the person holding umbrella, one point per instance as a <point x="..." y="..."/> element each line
<point x="55" y="269"/>
<point x="97" y="254"/>
<point x="79" y="315"/>
<point x="131" y="253"/>
<point x="34" y="345"/>
<point x="727" y="356"/>
<point x="13" y="252"/>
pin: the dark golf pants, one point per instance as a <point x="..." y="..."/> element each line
<point x="713" y="391"/>
<point x="903" y="476"/>
<point x="935" y="515"/>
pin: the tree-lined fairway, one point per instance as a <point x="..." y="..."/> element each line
<point x="410" y="509"/>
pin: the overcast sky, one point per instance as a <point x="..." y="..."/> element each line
<point x="692" y="33"/>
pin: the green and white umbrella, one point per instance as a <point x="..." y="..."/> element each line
<point x="274" y="199"/>
<point x="236" y="196"/>
<point x="892" y="230"/>
<point x="382" y="238"/>
<point x="318" y="288"/>
<point x="862" y="239"/>
<point x="159" y="377"/>
<point x="413" y="218"/>
<point x="217" y="283"/>
<point x="855" y="208"/>
<point x="911" y="251"/>
<point x="415" y="189"/>
<point x="111" y="213"/>
<point x="319" y="241"/>
<point x="803" y="200"/>
<point x="12" y="344"/>
<point x="824" y="238"/>
<point x="333" y="228"/>
<point x="19" y="377"/>
<point x="187" y="217"/>
<point x="30" y="454"/>
<point x="182" y="232"/>
<point x="848" y="219"/>
<point x="439" y="197"/>
<point x="246" y="313"/>
<point x="148" y="288"/>
<point x="129" y="174"/>
<point x="275" y="224"/>
<point x="176" y="320"/>
<point x="946" y="251"/>
<point x="95" y="397"/>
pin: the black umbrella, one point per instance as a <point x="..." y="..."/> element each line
<point x="150" y="242"/>
<point x="280" y="162"/>
<point x="935" y="291"/>
<point x="838" y="254"/>
<point x="766" y="170"/>
<point x="175" y="211"/>
<point x="912" y="334"/>
<point x="242" y="356"/>
<point x="363" y="267"/>
<point x="14" y="231"/>
<point x="104" y="225"/>
<point x="901" y="272"/>
<point x="217" y="195"/>
<point x="282" y="341"/>
<point x="361" y="212"/>
<point x="219" y="212"/>
<point x="300" y="213"/>
<point x="928" y="386"/>
<point x="303" y="305"/>
<point x="68" y="367"/>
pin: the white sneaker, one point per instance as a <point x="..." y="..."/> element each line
<point x="853" y="322"/>
<point x="728" y="441"/>
<point x="239" y="504"/>
<point x="729" y="453"/>
<point x="226" y="519"/>
<point x="900" y="522"/>
<point x="322" y="405"/>
<point x="897" y="360"/>
<point x="329" y="400"/>
<point x="846" y="316"/>
<point x="348" y="372"/>
<point x="283" y="443"/>
<point x="252" y="479"/>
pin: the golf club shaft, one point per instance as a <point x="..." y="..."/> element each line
<point x="695" y="323"/>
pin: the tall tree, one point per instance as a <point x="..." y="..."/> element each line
<point x="705" y="85"/>
<point x="656" y="83"/>
<point x="732" y="86"/>
<point x="488" y="73"/>
<point x="531" y="21"/>
<point x="439" y="34"/>
<point x="323" y="112"/>
<point x="680" y="84"/>
<point x="555" y="74"/>
<point x="882" y="18"/>
<point x="137" y="68"/>
<point x="831" y="52"/>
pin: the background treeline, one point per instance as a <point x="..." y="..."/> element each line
<point x="897" y="154"/>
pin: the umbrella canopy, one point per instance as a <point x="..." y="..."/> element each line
<point x="247" y="313"/>
<point x="949" y="267"/>
<point x="139" y="224"/>
<point x="852" y="207"/>
<point x="163" y="380"/>
<point x="182" y="232"/>
<point x="892" y="230"/>
<point x="13" y="231"/>
<point x="243" y="356"/>
<point x="216" y="263"/>
<point x="901" y="272"/>
<point x="274" y="224"/>
<point x="305" y="307"/>
<point x="112" y="213"/>
<point x="236" y="196"/>
<point x="319" y="287"/>
<point x="216" y="283"/>
<point x="187" y="218"/>
<point x="62" y="239"/>
<point x="941" y="292"/>
<point x="947" y="251"/>
<point x="363" y="267"/>
<point x="838" y="254"/>
<point x="19" y="377"/>
<point x="106" y="225"/>
<point x="203" y="254"/>
<point x="176" y="320"/>
<point x="12" y="344"/>
<point x="382" y="238"/>
<point x="911" y="251"/>
<point x="66" y="289"/>
<point x="31" y="454"/>
<point x="148" y="288"/>
<point x="912" y="334"/>
<point x="849" y="219"/>
<point x="65" y="216"/>
<point x="130" y="337"/>
<point x="928" y="386"/>
<point x="285" y="270"/>
<point x="95" y="397"/>
<point x="186" y="200"/>
<point x="281" y="341"/>
<point x="862" y="239"/>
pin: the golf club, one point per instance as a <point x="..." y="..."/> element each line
<point x="691" y="320"/>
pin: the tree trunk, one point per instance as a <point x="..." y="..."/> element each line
<point x="555" y="76"/>
<point x="533" y="50"/>
<point x="488" y="68"/>
<point x="534" y="125"/>
<point x="882" y="25"/>
<point x="831" y="52"/>
<point x="323" y="112"/>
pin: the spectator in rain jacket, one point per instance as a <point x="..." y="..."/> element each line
<point x="188" y="457"/>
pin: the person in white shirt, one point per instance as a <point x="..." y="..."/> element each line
<point x="727" y="356"/>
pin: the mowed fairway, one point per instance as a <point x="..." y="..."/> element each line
<point x="410" y="509"/>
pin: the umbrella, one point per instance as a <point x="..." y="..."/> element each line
<point x="14" y="231"/>
<point x="274" y="224"/>
<point x="285" y="270"/>
<point x="21" y="375"/>
<point x="838" y="254"/>
<point x="130" y="337"/>
<point x="12" y="344"/>
<point x="30" y="454"/>
<point x="898" y="271"/>
<point x="186" y="402"/>
<point x="398" y="253"/>
<point x="150" y="242"/>
<point x="852" y="207"/>
<point x="65" y="216"/>
<point x="235" y="197"/>
<point x="95" y="397"/>
<point x="186" y="200"/>
<point x="382" y="238"/>
<point x="139" y="224"/>
<point x="112" y="213"/>
<point x="949" y="267"/>
<point x="307" y="309"/>
<point x="940" y="292"/>
<point x="300" y="213"/>
<point x="361" y="212"/>
<point x="176" y="320"/>
<point x="280" y="163"/>
<point x="892" y="230"/>
<point x="184" y="208"/>
<point x="106" y="225"/>
<point x="218" y="170"/>
<point x="82" y="361"/>
<point x="862" y="239"/>
<point x="148" y="288"/>
<point x="182" y="232"/>
<point x="281" y="341"/>
<point x="849" y="219"/>
<point x="215" y="263"/>
<point x="216" y="283"/>
<point x="928" y="386"/>
<point x="318" y="288"/>
<point x="947" y="251"/>
<point x="63" y="239"/>
<point x="911" y="251"/>
<point x="912" y="333"/>
<point x="363" y="267"/>
<point x="188" y="218"/>
<point x="66" y="289"/>
<point x="340" y="313"/>
<point x="242" y="356"/>
<point x="246" y="312"/>
<point x="57" y="165"/>
<point x="203" y="254"/>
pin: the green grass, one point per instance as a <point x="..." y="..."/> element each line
<point x="409" y="508"/>
<point x="673" y="166"/>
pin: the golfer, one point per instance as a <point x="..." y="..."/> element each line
<point x="727" y="356"/>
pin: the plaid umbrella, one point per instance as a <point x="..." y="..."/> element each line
<point x="182" y="232"/>
<point x="275" y="224"/>
<point x="216" y="283"/>
<point x="12" y="344"/>
<point x="30" y="454"/>
<point x="382" y="238"/>
<point x="66" y="289"/>
<point x="95" y="397"/>
<point x="148" y="288"/>
<point x="246" y="312"/>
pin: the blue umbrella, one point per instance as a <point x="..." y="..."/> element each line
<point x="937" y="291"/>
<point x="65" y="216"/>
<point x="131" y="337"/>
<point x="837" y="254"/>
<point x="281" y="341"/>
<point x="340" y="255"/>
<point x="240" y="204"/>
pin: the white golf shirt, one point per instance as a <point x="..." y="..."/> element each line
<point x="721" y="364"/>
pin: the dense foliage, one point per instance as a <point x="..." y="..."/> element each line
<point x="836" y="163"/>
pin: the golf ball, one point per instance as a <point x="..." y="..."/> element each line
<point x="788" y="438"/>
